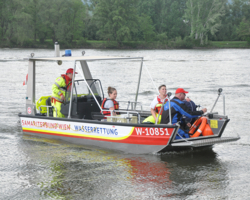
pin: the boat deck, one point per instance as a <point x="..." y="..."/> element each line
<point x="204" y="142"/>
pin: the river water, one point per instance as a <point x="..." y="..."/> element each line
<point x="38" y="168"/>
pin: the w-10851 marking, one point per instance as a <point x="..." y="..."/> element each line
<point x="151" y="131"/>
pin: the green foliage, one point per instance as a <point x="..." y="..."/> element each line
<point x="203" y="17"/>
<point x="186" y="43"/>
<point x="130" y="44"/>
<point x="163" y="38"/>
<point x="178" y="42"/>
<point x="226" y="31"/>
<point x="248" y="41"/>
<point x="111" y="45"/>
<point x="167" y="16"/>
<point x="90" y="25"/>
<point x="175" y="25"/>
<point x="82" y="41"/>
<point x="64" y="19"/>
<point x="28" y="43"/>
<point x="229" y="44"/>
<point x="244" y="29"/>
<point x="122" y="23"/>
<point x="41" y="19"/>
<point x="234" y="14"/>
<point x="116" y="19"/>
<point x="49" y="43"/>
<point x="239" y="10"/>
<point x="146" y="28"/>
<point x="72" y="20"/>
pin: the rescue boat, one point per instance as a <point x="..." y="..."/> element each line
<point x="84" y="122"/>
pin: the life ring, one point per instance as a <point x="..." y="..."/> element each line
<point x="201" y="128"/>
<point x="194" y="126"/>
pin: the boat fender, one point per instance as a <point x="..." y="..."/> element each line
<point x="201" y="128"/>
<point x="207" y="131"/>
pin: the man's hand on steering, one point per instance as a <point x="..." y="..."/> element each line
<point x="204" y="110"/>
<point x="62" y="97"/>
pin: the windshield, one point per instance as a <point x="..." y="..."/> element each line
<point x="81" y="88"/>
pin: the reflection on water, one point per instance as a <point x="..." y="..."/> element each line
<point x="197" y="173"/>
<point x="61" y="170"/>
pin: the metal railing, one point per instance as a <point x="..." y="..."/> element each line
<point x="133" y="104"/>
<point x="219" y="93"/>
<point x="39" y="109"/>
<point x="128" y="117"/>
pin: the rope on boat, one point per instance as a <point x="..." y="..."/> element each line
<point x="151" y="78"/>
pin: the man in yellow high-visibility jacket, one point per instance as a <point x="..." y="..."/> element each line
<point x="59" y="88"/>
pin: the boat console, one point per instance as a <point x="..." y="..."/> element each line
<point x="82" y="107"/>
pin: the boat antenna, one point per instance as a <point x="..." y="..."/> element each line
<point x="151" y="78"/>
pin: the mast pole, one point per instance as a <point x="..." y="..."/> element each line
<point x="71" y="93"/>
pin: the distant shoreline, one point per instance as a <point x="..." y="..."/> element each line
<point x="132" y="45"/>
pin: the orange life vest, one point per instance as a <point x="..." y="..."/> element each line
<point x="116" y="106"/>
<point x="159" y="105"/>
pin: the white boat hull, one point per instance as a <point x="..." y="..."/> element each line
<point x="129" y="138"/>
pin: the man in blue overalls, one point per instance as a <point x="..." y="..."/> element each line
<point x="178" y="108"/>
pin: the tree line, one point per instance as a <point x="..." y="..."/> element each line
<point x="24" y="22"/>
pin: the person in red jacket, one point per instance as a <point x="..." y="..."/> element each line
<point x="61" y="85"/>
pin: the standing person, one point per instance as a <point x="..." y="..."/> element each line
<point x="110" y="103"/>
<point x="59" y="88"/>
<point x="157" y="104"/>
<point x="178" y="108"/>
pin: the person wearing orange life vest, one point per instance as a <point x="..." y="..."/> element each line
<point x="156" y="105"/>
<point x="59" y="88"/>
<point x="110" y="103"/>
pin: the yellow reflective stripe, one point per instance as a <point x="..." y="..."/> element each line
<point x="57" y="98"/>
<point x="60" y="133"/>
<point x="60" y="88"/>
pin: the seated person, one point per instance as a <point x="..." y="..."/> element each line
<point x="178" y="108"/>
<point x="156" y="105"/>
<point x="110" y="103"/>
<point x="187" y="122"/>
